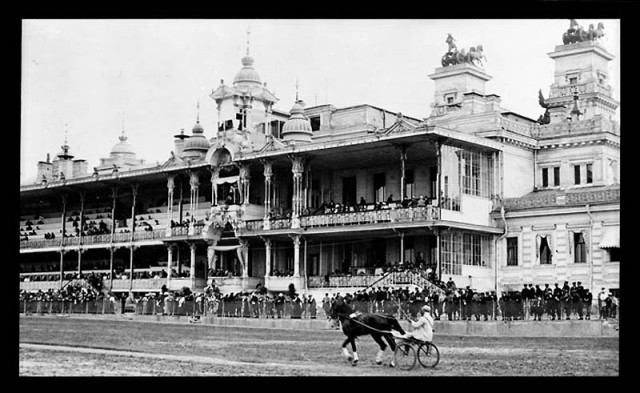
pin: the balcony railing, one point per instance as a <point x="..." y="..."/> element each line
<point x="421" y="213"/>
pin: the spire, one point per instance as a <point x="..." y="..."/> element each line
<point x="248" y="33"/>
<point x="296" y="89"/>
<point x="122" y="137"/>
<point x="64" y="154"/>
<point x="198" y="112"/>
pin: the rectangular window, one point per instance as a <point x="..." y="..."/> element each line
<point x="512" y="251"/>
<point x="589" y="173"/>
<point x="433" y="177"/>
<point x="573" y="80"/>
<point x="545" y="252"/>
<point x="579" y="248"/>
<point x="474" y="170"/>
<point x="379" y="180"/>
<point x="545" y="177"/>
<point x="556" y="176"/>
<point x="315" y="123"/>
<point x="614" y="254"/>
<point x="576" y="173"/>
<point x="409" y="187"/>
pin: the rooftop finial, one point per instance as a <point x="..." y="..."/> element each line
<point x="248" y="33"/>
<point x="66" y="131"/>
<point x="296" y="89"/>
<point x="123" y="136"/>
<point x="198" y="112"/>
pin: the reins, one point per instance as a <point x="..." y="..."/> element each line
<point x="365" y="325"/>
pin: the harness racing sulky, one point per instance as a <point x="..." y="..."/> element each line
<point x="406" y="350"/>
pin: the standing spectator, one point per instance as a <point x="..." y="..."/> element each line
<point x="614" y="305"/>
<point x="587" y="299"/>
<point x="312" y="307"/>
<point x="279" y="302"/>
<point x="326" y="304"/>
<point x="451" y="285"/>
<point x="602" y="297"/>
<point x="526" y="300"/>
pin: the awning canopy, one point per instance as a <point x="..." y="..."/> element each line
<point x="230" y="179"/>
<point x="226" y="248"/>
<point x="610" y="238"/>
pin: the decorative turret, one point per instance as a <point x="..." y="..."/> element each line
<point x="247" y="76"/>
<point x="197" y="145"/>
<point x="298" y="128"/>
<point x="581" y="68"/>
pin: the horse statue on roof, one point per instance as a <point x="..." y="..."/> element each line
<point x="355" y="324"/>
<point x="475" y="55"/>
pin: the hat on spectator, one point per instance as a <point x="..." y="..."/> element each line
<point x="426" y="308"/>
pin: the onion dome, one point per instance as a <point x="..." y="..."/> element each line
<point x="197" y="145"/>
<point x="298" y="127"/>
<point x="247" y="74"/>
<point x="123" y="147"/>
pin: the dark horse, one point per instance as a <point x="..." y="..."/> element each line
<point x="362" y="324"/>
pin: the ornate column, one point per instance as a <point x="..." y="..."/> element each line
<point x="403" y="158"/>
<point x="192" y="272"/>
<point x="82" y="196"/>
<point x="297" y="168"/>
<point x="169" y="263"/>
<point x="243" y="255"/>
<point x="64" y="213"/>
<point x="438" y="147"/>
<point x="296" y="255"/>
<point x="215" y="173"/>
<point x="244" y="183"/>
<point x="401" y="248"/>
<point x="268" y="174"/>
<point x="194" y="183"/>
<point x="267" y="269"/>
<point x="134" y="193"/>
<point x="111" y="251"/>
<point x="211" y="256"/>
<point x="170" y="187"/>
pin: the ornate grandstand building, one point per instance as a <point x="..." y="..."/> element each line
<point x="326" y="197"/>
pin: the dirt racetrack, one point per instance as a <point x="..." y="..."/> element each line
<point x="66" y="346"/>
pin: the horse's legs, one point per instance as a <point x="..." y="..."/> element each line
<point x="345" y="352"/>
<point x="355" y="353"/>
<point x="383" y="346"/>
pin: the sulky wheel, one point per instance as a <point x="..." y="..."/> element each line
<point x="428" y="355"/>
<point x="405" y="356"/>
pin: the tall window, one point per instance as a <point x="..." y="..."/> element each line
<point x="576" y="174"/>
<point x="589" y="173"/>
<point x="556" y="176"/>
<point x="512" y="251"/>
<point x="409" y="250"/>
<point x="433" y="177"/>
<point x="315" y="123"/>
<point x="379" y="180"/>
<point x="545" y="252"/>
<point x="409" y="186"/>
<point x="474" y="169"/>
<point x="545" y="177"/>
<point x="579" y="248"/>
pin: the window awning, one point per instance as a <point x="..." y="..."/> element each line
<point x="226" y="248"/>
<point x="230" y="179"/>
<point x="610" y="238"/>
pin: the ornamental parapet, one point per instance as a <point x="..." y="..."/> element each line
<point x="562" y="199"/>
<point x="596" y="124"/>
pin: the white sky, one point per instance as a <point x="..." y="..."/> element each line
<point x="87" y="73"/>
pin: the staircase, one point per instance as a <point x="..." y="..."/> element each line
<point x="392" y="279"/>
